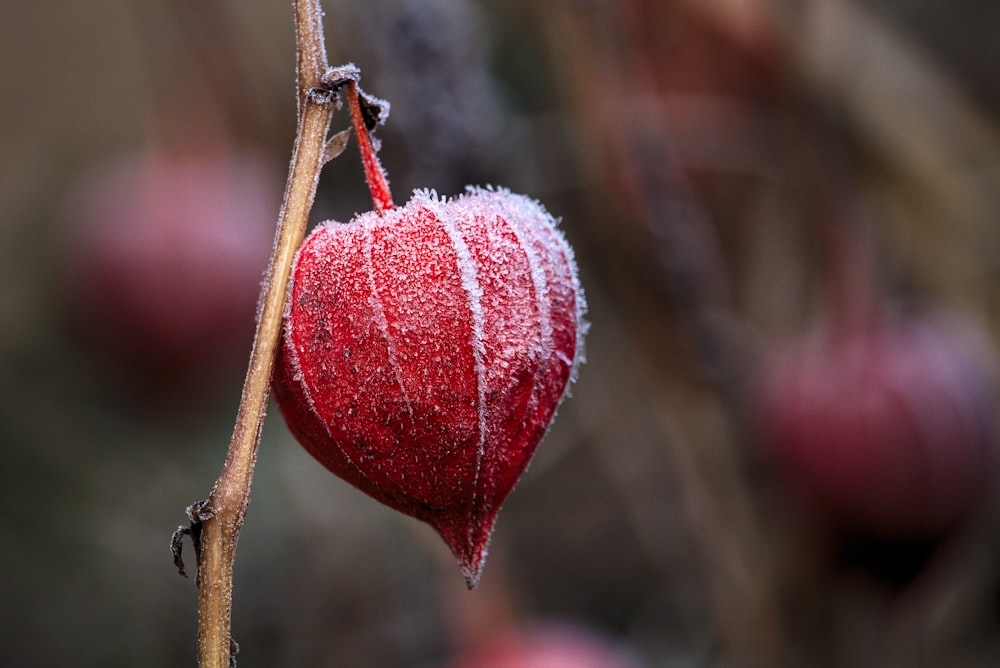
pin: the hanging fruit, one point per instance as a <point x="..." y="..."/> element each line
<point x="163" y="260"/>
<point x="882" y="424"/>
<point x="426" y="348"/>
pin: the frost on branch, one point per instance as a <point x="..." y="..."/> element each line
<point x="374" y="110"/>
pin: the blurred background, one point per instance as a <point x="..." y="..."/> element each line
<point x="742" y="182"/>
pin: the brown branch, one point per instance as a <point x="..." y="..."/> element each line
<point x="220" y="518"/>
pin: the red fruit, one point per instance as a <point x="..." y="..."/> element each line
<point x="166" y="255"/>
<point x="425" y="350"/>
<point x="548" y="647"/>
<point x="884" y="428"/>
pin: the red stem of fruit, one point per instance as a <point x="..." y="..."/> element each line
<point x="374" y="174"/>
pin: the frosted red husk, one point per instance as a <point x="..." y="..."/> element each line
<point x="425" y="351"/>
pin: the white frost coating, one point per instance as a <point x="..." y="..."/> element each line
<point x="428" y="194"/>
<point x="529" y="212"/>
<point x="536" y="231"/>
<point x="293" y="355"/>
<point x="380" y="319"/>
<point x="558" y="243"/>
<point x="515" y="220"/>
<point x="493" y="227"/>
<point x="473" y="292"/>
<point x="520" y="212"/>
<point x="582" y="326"/>
<point x="293" y="349"/>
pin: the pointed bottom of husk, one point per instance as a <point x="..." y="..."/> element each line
<point x="470" y="545"/>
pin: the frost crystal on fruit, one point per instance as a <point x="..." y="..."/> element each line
<point x="425" y="351"/>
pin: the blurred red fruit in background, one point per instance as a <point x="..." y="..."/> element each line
<point x="547" y="647"/>
<point x="166" y="252"/>
<point x="884" y="427"/>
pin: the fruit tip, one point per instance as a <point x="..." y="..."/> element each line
<point x="470" y="549"/>
<point x="472" y="571"/>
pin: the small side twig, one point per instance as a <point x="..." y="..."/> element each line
<point x="196" y="513"/>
